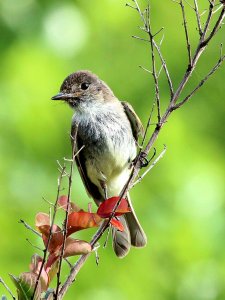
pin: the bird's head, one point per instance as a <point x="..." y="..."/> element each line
<point x="84" y="89"/>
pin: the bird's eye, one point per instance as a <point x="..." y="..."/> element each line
<point x="84" y="85"/>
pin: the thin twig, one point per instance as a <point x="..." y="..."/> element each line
<point x="7" y="288"/>
<point x="203" y="81"/>
<point x="129" y="5"/>
<point x="216" y="27"/>
<point x="157" y="32"/>
<point x="216" y="10"/>
<point x="143" y="68"/>
<point x="147" y="29"/>
<point x="165" y="68"/>
<point x="50" y="230"/>
<point x="189" y="4"/>
<point x="198" y="18"/>
<point x="186" y="33"/>
<point x="154" y="72"/>
<point x="211" y="6"/>
<point x="36" y="247"/>
<point x="148" y="125"/>
<point x="150" y="167"/>
<point x="74" y="137"/>
<point x="29" y="227"/>
<point x="139" y="38"/>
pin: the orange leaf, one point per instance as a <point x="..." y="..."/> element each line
<point x="62" y="202"/>
<point x="42" y="219"/>
<point x="56" y="238"/>
<point x="117" y="224"/>
<point x="106" y="207"/>
<point x="82" y="220"/>
<point x="76" y="247"/>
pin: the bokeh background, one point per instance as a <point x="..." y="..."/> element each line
<point x="180" y="203"/>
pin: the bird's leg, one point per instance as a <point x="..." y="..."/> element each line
<point x="144" y="160"/>
<point x="104" y="187"/>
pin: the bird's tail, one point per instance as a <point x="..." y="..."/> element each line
<point x="133" y="234"/>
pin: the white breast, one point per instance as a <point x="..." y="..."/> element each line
<point x="110" y="158"/>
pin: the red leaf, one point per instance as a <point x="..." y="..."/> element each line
<point x="117" y="224"/>
<point x="42" y="222"/>
<point x="106" y="207"/>
<point x="62" y="202"/>
<point x="56" y="238"/>
<point x="82" y="220"/>
<point x="52" y="261"/>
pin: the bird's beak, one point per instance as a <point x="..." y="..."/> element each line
<point x="62" y="96"/>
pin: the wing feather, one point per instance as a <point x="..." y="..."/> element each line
<point x="92" y="189"/>
<point x="135" y="122"/>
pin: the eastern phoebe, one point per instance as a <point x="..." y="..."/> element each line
<point x="108" y="129"/>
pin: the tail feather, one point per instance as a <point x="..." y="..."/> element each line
<point x="137" y="235"/>
<point x="133" y="233"/>
<point x="121" y="239"/>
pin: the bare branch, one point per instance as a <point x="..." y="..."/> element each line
<point x="154" y="72"/>
<point x="211" y="6"/>
<point x="198" y="18"/>
<point x="139" y="38"/>
<point x="131" y="6"/>
<point x="158" y="32"/>
<point x="215" y="28"/>
<point x="50" y="230"/>
<point x="186" y="33"/>
<point x="217" y="9"/>
<point x="29" y="227"/>
<point x="148" y="125"/>
<point x="165" y="68"/>
<point x="74" y="153"/>
<point x="189" y="4"/>
<point x="146" y="70"/>
<point x="147" y="29"/>
<point x="204" y="11"/>
<point x="36" y="247"/>
<point x="203" y="81"/>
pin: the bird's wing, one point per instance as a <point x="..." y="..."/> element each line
<point x="92" y="189"/>
<point x="135" y="122"/>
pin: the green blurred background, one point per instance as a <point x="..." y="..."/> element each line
<point x="180" y="204"/>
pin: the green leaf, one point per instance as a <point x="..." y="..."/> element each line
<point x="25" y="285"/>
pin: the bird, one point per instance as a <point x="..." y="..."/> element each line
<point x="108" y="131"/>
